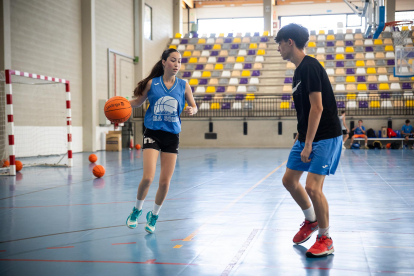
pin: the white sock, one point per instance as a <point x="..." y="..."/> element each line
<point x="139" y="204"/>
<point x="309" y="214"/>
<point x="324" y="232"/>
<point x="156" y="209"/>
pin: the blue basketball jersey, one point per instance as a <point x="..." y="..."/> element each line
<point x="165" y="105"/>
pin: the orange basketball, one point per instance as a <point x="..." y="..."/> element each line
<point x="93" y="158"/>
<point x="137" y="146"/>
<point x="6" y="164"/>
<point x="19" y="166"/>
<point x="118" y="109"/>
<point x="98" y="171"/>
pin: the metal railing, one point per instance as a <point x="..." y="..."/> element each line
<point x="283" y="106"/>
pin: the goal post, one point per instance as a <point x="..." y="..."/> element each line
<point x="45" y="128"/>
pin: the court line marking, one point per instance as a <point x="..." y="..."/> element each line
<point x="123" y="243"/>
<point x="192" y="235"/>
<point x="60" y="247"/>
<point x="178" y="246"/>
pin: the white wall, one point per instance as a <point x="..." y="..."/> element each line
<point x="404" y="5"/>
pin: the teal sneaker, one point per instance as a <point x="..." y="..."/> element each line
<point x="151" y="221"/>
<point x="132" y="220"/>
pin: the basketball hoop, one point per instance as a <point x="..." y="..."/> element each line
<point x="398" y="34"/>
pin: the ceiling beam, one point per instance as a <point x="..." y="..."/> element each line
<point x="304" y="2"/>
<point x="190" y="3"/>
<point x="206" y="4"/>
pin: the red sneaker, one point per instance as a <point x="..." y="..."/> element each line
<point x="306" y="230"/>
<point x="322" y="247"/>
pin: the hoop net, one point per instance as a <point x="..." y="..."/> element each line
<point x="400" y="31"/>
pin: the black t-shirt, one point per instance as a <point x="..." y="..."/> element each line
<point x="310" y="77"/>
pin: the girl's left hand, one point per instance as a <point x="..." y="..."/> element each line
<point x="189" y="110"/>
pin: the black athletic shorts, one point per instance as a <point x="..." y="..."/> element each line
<point x="344" y="132"/>
<point x="161" y="140"/>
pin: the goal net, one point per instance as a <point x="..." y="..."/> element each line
<point x="35" y="121"/>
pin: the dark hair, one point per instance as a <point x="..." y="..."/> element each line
<point x="157" y="71"/>
<point x="343" y="111"/>
<point x="293" y="31"/>
<point x="360" y="120"/>
<point x="407" y="121"/>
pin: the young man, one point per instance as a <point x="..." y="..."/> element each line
<point x="359" y="132"/>
<point x="318" y="145"/>
<point x="407" y="132"/>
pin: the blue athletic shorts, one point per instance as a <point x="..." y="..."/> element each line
<point x="324" y="156"/>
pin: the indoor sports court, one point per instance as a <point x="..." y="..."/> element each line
<point x="181" y="137"/>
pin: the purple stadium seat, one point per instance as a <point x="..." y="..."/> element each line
<point x="243" y="81"/>
<point x="225" y="106"/>
<point x="235" y="46"/>
<point x="373" y="86"/>
<point x="256" y="34"/>
<point x="184" y="60"/>
<point x="406" y="85"/>
<point x="292" y="105"/>
<point x="391" y="62"/>
<point x="207" y="97"/>
<point x="186" y="74"/>
<point x="361" y="79"/>
<point x="363" y="104"/>
<point x="195" y="35"/>
<point x="350" y="71"/>
<point x="369" y="49"/>
<point x="230" y="35"/>
<point x="330" y="57"/>
<point x="255" y="73"/>
<point x="202" y="82"/>
<point x="184" y="41"/>
<point x="385" y="96"/>
<point x="410" y="54"/>
<point x="288" y="80"/>
<point x="330" y="44"/>
<point x="251" y="52"/>
<point x="247" y="66"/>
<point x="340" y="64"/>
<point x="239" y="97"/>
<point x="349" y="56"/>
<point x="220" y="89"/>
<point x="208" y="47"/>
<point x="214" y="53"/>
<point x="199" y="67"/>
<point x="221" y="59"/>
<point x="340" y="104"/>
<point x="228" y="40"/>
<point x="286" y="97"/>
<point x="192" y="88"/>
<point x="349" y="43"/>
<point x="264" y="39"/>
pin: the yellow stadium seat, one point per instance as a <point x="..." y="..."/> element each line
<point x="374" y="104"/>
<point x="321" y="32"/>
<point x="215" y="106"/>
<point x="311" y="44"/>
<point x="409" y="103"/>
<point x="211" y="89"/>
<point x="266" y="33"/>
<point x="217" y="47"/>
<point x="384" y="86"/>
<point x="360" y="63"/>
<point x="378" y="42"/>
<point x="410" y="61"/>
<point x="206" y="74"/>
<point x="218" y="66"/>
<point x="349" y="49"/>
<point x="312" y="56"/>
<point x="389" y="48"/>
<point x="253" y="46"/>
<point x="221" y="35"/>
<point x="237" y="40"/>
<point x="330" y="37"/>
<point x="404" y="28"/>
<point x="240" y="59"/>
<point x="284" y="105"/>
<point x="350" y="79"/>
<point x="178" y="35"/>
<point x="245" y="73"/>
<point x="351" y="96"/>
<point x="362" y="87"/>
<point x="261" y="52"/>
<point x="371" y="71"/>
<point x="250" y="97"/>
<point x="340" y="56"/>
<point x="187" y="54"/>
<point x="201" y="41"/>
<point x="173" y="47"/>
<point x="192" y="60"/>
<point x="193" y="82"/>
<point x="322" y="63"/>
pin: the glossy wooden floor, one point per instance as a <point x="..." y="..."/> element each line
<point x="227" y="213"/>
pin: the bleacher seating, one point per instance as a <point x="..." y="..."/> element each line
<point x="236" y="64"/>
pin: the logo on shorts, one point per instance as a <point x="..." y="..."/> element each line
<point x="325" y="166"/>
<point x="148" y="140"/>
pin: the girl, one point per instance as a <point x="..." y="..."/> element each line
<point x="345" y="130"/>
<point x="166" y="94"/>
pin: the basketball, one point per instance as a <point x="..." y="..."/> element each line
<point x="98" y="171"/>
<point x="138" y="146"/>
<point x="93" y="158"/>
<point x="19" y="166"/>
<point x="118" y="109"/>
<point x="6" y="164"/>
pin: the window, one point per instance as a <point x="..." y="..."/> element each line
<point x="404" y="15"/>
<point x="230" y="25"/>
<point x="148" y="22"/>
<point x="353" y="20"/>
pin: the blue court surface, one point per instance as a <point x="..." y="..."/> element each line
<point x="227" y="213"/>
